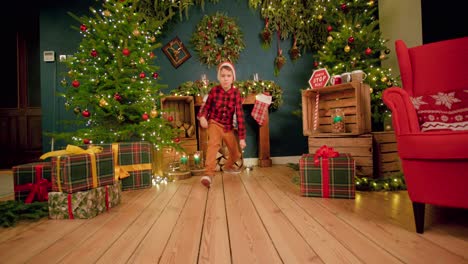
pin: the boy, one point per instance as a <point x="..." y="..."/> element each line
<point x="223" y="103"/>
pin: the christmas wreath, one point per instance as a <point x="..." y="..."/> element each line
<point x="217" y="39"/>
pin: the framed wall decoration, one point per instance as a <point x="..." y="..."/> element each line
<point x="176" y="52"/>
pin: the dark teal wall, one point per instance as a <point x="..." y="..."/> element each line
<point x="286" y="137"/>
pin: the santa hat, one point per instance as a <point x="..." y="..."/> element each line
<point x="226" y="64"/>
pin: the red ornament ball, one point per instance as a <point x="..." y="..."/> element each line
<point x="368" y="51"/>
<point x="83" y="27"/>
<point x="126" y="52"/>
<point x="329" y="28"/>
<point x="350" y="39"/>
<point x="86" y="113"/>
<point x="117" y="97"/>
<point x="155" y="75"/>
<point x="151" y="55"/>
<point x="170" y="118"/>
<point x="343" y="7"/>
<point x="94" y="53"/>
<point x="145" y="116"/>
<point x="176" y="140"/>
<point x="86" y="141"/>
<point x="316" y="64"/>
<point x="76" y="83"/>
<point x="142" y="75"/>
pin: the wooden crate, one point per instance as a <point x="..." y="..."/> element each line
<point x="386" y="159"/>
<point x="182" y="109"/>
<point x="360" y="148"/>
<point x="163" y="157"/>
<point x="353" y="97"/>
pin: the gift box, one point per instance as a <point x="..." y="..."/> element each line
<point x="32" y="181"/>
<point x="84" y="204"/>
<point x="132" y="163"/>
<point x="75" y="169"/>
<point x="327" y="174"/>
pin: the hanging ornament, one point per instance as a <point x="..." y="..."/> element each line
<point x="86" y="141"/>
<point x="121" y="118"/>
<point x="117" y="97"/>
<point x="351" y="39"/>
<point x="63" y="82"/>
<point x="383" y="79"/>
<point x="94" y="53"/>
<point x="329" y="28"/>
<point x="106" y="13"/>
<point x="371" y="3"/>
<point x="347" y="48"/>
<point x="382" y="56"/>
<point x="70" y="73"/>
<point x="176" y="140"/>
<point x="368" y="51"/>
<point x="151" y="55"/>
<point x="329" y="38"/>
<point x="358" y="26"/>
<point x="343" y="7"/>
<point x="142" y="75"/>
<point x="145" y="116"/>
<point x="319" y="17"/>
<point x="133" y="79"/>
<point x="85" y="113"/>
<point x="155" y="75"/>
<point x="136" y="32"/>
<point x="126" y="52"/>
<point x="83" y="27"/>
<point x="170" y="118"/>
<point x="316" y="64"/>
<point x="294" y="51"/>
<point x="77" y="110"/>
<point x="75" y="83"/>
<point x="387" y="51"/>
<point x="142" y="61"/>
<point x="103" y="102"/>
<point x="153" y="39"/>
<point x="154" y="113"/>
<point x="371" y="90"/>
<point x="389" y="84"/>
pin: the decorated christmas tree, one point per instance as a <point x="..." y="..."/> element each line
<point x="112" y="81"/>
<point x="354" y="42"/>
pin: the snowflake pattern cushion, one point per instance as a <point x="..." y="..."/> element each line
<point x="442" y="111"/>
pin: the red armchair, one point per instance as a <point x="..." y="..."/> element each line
<point x="430" y="119"/>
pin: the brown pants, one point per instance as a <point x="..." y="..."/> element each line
<point x="216" y="136"/>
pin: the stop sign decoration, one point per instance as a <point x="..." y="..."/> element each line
<point x="319" y="78"/>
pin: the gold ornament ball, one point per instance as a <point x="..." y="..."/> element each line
<point x="371" y="90"/>
<point x="319" y="17"/>
<point x="142" y="61"/>
<point x="329" y="38"/>
<point x="384" y="79"/>
<point x="371" y="3"/>
<point x="347" y="48"/>
<point x="382" y="56"/>
<point x="153" y="39"/>
<point x="388" y="127"/>
<point x="103" y="102"/>
<point x="106" y="13"/>
<point x="70" y="73"/>
<point x="153" y="113"/>
<point x="136" y="33"/>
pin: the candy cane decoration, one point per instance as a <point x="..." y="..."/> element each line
<point x="316" y="111"/>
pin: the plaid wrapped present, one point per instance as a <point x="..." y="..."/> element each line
<point x="86" y="204"/>
<point x="32" y="181"/>
<point x="327" y="174"/>
<point x="132" y="163"/>
<point x="75" y="169"/>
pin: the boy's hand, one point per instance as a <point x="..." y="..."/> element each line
<point x="203" y="122"/>
<point x="242" y="143"/>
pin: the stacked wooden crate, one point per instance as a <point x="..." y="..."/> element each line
<point x="386" y="159"/>
<point x="354" y="99"/>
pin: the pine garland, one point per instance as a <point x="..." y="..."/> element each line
<point x="13" y="211"/>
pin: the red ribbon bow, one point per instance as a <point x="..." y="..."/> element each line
<point x="40" y="188"/>
<point x="325" y="152"/>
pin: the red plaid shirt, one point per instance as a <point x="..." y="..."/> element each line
<point x="220" y="107"/>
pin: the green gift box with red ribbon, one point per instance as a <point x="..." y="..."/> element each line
<point x="32" y="181"/>
<point x="327" y="174"/>
<point x="84" y="204"/>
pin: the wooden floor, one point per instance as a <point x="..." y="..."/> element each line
<point x="255" y="217"/>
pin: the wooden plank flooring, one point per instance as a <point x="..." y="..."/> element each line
<point x="255" y="217"/>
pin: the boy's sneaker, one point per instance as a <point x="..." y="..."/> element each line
<point x="232" y="170"/>
<point x="206" y="181"/>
